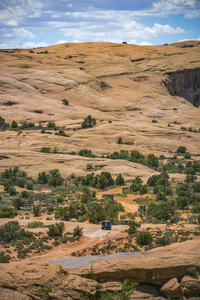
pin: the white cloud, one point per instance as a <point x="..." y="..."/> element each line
<point x="12" y="23"/>
<point x="175" y="7"/>
<point x="118" y="32"/>
<point x="23" y="33"/>
<point x="34" y="45"/>
<point x="144" y="43"/>
<point x="61" y="42"/>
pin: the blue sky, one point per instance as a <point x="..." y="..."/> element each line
<point x="37" y="23"/>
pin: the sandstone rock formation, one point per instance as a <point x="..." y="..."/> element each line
<point x="123" y="86"/>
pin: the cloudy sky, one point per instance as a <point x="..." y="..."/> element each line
<point x="37" y="23"/>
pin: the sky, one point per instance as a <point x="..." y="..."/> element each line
<point x="40" y="23"/>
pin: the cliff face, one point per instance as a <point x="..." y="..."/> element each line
<point x="186" y="84"/>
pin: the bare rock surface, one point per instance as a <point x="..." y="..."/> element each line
<point x="172" y="289"/>
<point x="124" y="87"/>
<point x="190" y="286"/>
<point x="37" y="281"/>
<point x="156" y="266"/>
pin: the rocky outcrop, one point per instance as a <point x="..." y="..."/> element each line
<point x="41" y="281"/>
<point x="172" y="289"/>
<point x="188" y="287"/>
<point x="186" y="84"/>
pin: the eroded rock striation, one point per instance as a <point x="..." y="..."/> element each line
<point x="185" y="83"/>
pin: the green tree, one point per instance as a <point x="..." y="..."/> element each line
<point x="152" y="161"/>
<point x="120" y="180"/>
<point x="55" y="178"/>
<point x="29" y="185"/>
<point x="36" y="210"/>
<point x="65" y="102"/>
<point x="119" y="141"/>
<point x="96" y="212"/>
<point x="88" y="122"/>
<point x="56" y="230"/>
<point x="43" y="178"/>
<point x="18" y="202"/>
<point x="62" y="213"/>
<point x="181" y="149"/>
<point x="8" y="212"/>
<point x="78" y="231"/>
<point x="14" y="124"/>
<point x="133" y="226"/>
<point x="144" y="238"/>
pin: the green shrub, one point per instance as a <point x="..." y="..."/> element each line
<point x="120" y="180"/>
<point x="56" y="230"/>
<point x="29" y="185"/>
<point x="133" y="226"/>
<point x="96" y="212"/>
<point x="65" y="102"/>
<point x="88" y="122"/>
<point x="35" y="224"/>
<point x="181" y="149"/>
<point x="14" y="124"/>
<point x="144" y="238"/>
<point x="196" y="208"/>
<point x="86" y="153"/>
<point x="4" y="259"/>
<point x="77" y="231"/>
<point x="55" y="178"/>
<point x="60" y="199"/>
<point x="36" y="210"/>
<point x="82" y="218"/>
<point x="192" y="272"/>
<point x="8" y="212"/>
<point x="45" y="150"/>
<point x="18" y="202"/>
<point x="119" y="141"/>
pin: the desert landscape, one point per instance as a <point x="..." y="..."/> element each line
<point x="90" y="132"/>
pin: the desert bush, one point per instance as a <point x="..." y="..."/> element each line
<point x="18" y="202"/>
<point x="119" y="141"/>
<point x="29" y="185"/>
<point x="88" y="122"/>
<point x="181" y="150"/>
<point x="133" y="226"/>
<point x="120" y="180"/>
<point x="196" y="208"/>
<point x="82" y="218"/>
<point x="36" y="210"/>
<point x="35" y="224"/>
<point x="161" y="211"/>
<point x="78" y="231"/>
<point x="96" y="212"/>
<point x="62" y="213"/>
<point x="192" y="272"/>
<point x="65" y="102"/>
<point x="45" y="150"/>
<point x="51" y="125"/>
<point x="152" y="161"/>
<point x="14" y="124"/>
<point x="162" y="241"/>
<point x="55" y="178"/>
<point x="56" y="230"/>
<point x="4" y="259"/>
<point x="60" y="199"/>
<point x="43" y="178"/>
<point x="86" y="153"/>
<point x="144" y="238"/>
<point x="8" y="212"/>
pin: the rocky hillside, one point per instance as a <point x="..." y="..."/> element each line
<point x="124" y="87"/>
